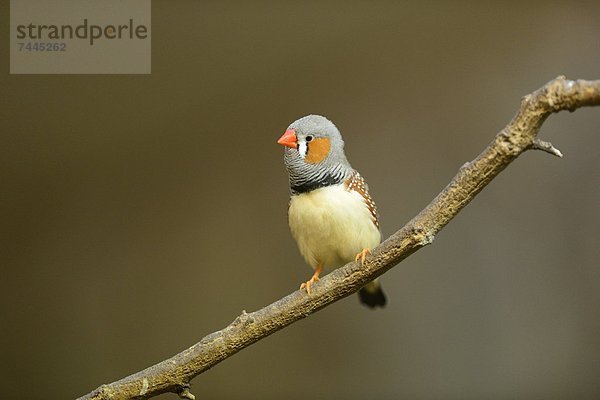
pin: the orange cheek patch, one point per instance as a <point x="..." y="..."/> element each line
<point x="317" y="150"/>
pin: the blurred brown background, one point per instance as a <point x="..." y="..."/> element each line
<point x="140" y="213"/>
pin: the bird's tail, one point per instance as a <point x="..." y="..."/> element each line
<point x="371" y="295"/>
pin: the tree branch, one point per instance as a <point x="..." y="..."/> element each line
<point x="175" y="373"/>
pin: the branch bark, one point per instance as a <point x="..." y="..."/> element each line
<point x="175" y="373"/>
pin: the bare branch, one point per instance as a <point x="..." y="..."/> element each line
<point x="186" y="394"/>
<point x="539" y="144"/>
<point x="175" y="373"/>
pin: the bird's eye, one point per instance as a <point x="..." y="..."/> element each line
<point x="308" y="138"/>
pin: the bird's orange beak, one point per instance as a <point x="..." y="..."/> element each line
<point x="289" y="139"/>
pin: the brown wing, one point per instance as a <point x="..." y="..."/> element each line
<point x="358" y="184"/>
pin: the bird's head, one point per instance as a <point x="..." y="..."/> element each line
<point x="314" y="151"/>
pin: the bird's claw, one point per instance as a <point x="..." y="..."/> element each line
<point x="362" y="255"/>
<point x="306" y="285"/>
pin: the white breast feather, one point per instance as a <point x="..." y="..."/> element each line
<point x="331" y="225"/>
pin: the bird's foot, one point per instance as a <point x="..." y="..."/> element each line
<point x="362" y="255"/>
<point x="306" y="285"/>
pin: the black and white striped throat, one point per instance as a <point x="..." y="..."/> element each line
<point x="313" y="184"/>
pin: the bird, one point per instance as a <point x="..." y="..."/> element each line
<point x="331" y="214"/>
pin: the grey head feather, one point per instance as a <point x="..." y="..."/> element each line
<point x="333" y="169"/>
